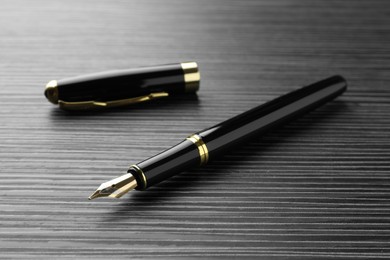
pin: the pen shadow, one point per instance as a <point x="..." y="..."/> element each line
<point x="184" y="101"/>
<point x="149" y="201"/>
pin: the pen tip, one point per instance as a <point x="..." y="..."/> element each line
<point x="94" y="195"/>
<point x="115" y="188"/>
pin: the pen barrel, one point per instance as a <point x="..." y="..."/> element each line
<point x="198" y="148"/>
<point x="165" y="164"/>
<point x="122" y="84"/>
<point x="272" y="114"/>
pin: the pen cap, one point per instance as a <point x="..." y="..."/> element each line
<point x="123" y="87"/>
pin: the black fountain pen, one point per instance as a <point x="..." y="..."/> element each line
<point x="199" y="148"/>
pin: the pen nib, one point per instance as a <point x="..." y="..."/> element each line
<point x="115" y="188"/>
<point x="94" y="195"/>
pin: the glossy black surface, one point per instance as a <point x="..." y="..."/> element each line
<point x="271" y="114"/>
<point x="168" y="163"/>
<point x="121" y="84"/>
<point x="231" y="132"/>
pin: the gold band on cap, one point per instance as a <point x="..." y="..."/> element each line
<point x="202" y="148"/>
<point x="141" y="173"/>
<point x="191" y="76"/>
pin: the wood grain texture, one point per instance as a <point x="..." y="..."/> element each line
<point x="316" y="188"/>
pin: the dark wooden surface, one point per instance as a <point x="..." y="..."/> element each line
<point x="319" y="187"/>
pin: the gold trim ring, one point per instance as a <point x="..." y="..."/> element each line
<point x="202" y="148"/>
<point x="191" y="76"/>
<point x="140" y="172"/>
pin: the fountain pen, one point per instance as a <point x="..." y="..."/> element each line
<point x="201" y="147"/>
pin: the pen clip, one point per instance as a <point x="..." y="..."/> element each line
<point x="85" y="105"/>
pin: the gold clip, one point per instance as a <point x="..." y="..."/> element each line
<point x="85" y="105"/>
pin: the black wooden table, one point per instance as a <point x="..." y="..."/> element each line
<point x="318" y="187"/>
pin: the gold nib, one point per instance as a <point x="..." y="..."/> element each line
<point x="115" y="188"/>
<point x="94" y="195"/>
